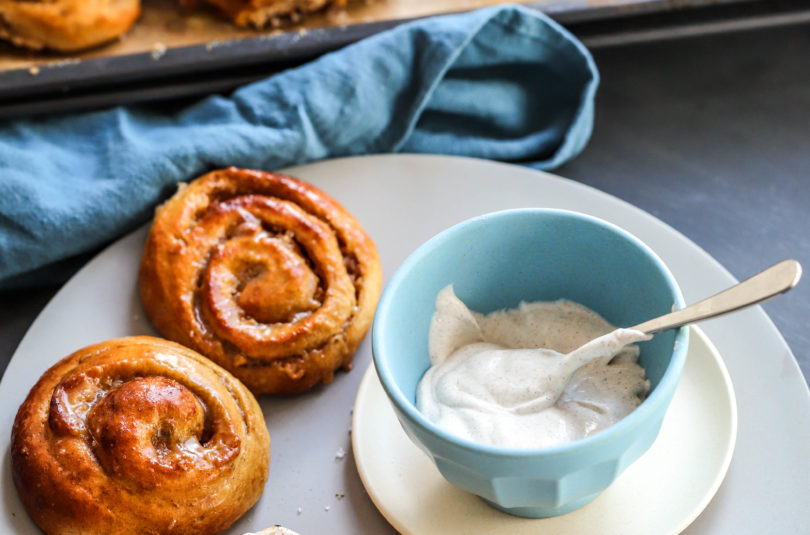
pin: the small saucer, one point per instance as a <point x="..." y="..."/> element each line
<point x="661" y="493"/>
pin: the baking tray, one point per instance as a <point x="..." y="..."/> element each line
<point x="173" y="54"/>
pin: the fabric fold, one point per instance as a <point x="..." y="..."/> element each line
<point x="503" y="83"/>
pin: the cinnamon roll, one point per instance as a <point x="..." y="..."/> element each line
<point x="264" y="274"/>
<point x="138" y="435"/>
<point x="262" y="13"/>
<point x="66" y="25"/>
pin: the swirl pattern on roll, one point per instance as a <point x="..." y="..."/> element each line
<point x="138" y="435"/>
<point x="264" y="274"/>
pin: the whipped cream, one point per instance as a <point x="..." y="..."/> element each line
<point x="542" y="374"/>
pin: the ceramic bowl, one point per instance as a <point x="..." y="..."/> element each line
<point x="495" y="261"/>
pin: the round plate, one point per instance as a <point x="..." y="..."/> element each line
<point x="662" y="492"/>
<point x="403" y="200"/>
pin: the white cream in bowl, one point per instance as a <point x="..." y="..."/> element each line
<point x="542" y="374"/>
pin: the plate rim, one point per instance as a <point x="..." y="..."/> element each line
<point x="796" y="396"/>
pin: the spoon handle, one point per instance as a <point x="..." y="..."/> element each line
<point x="773" y="281"/>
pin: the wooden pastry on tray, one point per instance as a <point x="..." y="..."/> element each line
<point x="138" y="435"/>
<point x="66" y="25"/>
<point x="264" y="274"/>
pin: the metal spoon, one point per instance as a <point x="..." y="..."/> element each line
<point x="769" y="283"/>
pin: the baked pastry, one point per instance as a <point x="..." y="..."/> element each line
<point x="73" y="25"/>
<point x="261" y="13"/>
<point x="138" y="435"/>
<point x="66" y="25"/>
<point x="264" y="274"/>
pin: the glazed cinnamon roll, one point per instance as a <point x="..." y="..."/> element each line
<point x="66" y="25"/>
<point x="138" y="435"/>
<point x="264" y="274"/>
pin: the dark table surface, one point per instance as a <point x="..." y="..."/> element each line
<point x="711" y="134"/>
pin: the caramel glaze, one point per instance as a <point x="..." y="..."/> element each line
<point x="264" y="274"/>
<point x="138" y="435"/>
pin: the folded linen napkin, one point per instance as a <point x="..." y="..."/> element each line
<point x="503" y="83"/>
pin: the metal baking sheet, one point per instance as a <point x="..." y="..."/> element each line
<point x="172" y="52"/>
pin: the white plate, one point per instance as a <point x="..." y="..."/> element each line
<point x="662" y="492"/>
<point x="402" y="201"/>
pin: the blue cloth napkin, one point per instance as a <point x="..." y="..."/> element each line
<point x="503" y="83"/>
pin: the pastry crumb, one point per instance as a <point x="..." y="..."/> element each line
<point x="158" y="50"/>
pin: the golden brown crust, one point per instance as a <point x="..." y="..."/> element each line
<point x="66" y="25"/>
<point x="261" y="13"/>
<point x="264" y="274"/>
<point x="138" y="435"/>
<point x="73" y="25"/>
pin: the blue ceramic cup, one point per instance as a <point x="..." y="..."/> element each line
<point x="495" y="261"/>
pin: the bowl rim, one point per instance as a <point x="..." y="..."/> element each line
<point x="660" y="395"/>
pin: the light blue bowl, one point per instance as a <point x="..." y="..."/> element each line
<point x="495" y="261"/>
